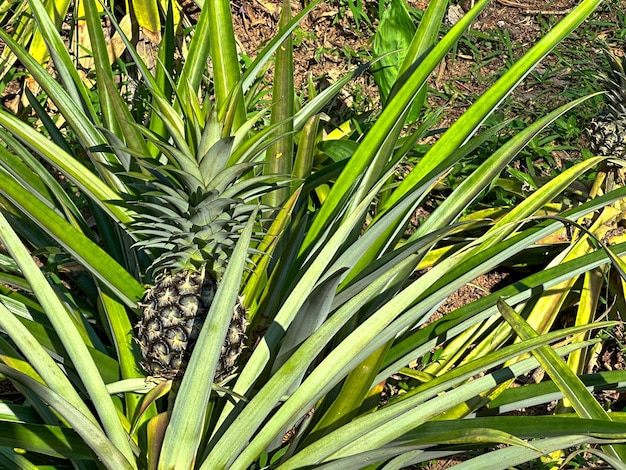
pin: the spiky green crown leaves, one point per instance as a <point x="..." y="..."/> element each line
<point x="614" y="83"/>
<point x="193" y="204"/>
<point x="184" y="229"/>
<point x="198" y="185"/>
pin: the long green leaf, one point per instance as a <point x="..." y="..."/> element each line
<point x="270" y="395"/>
<point x="489" y="101"/>
<point x="568" y="382"/>
<point x="305" y="285"/>
<point x="426" y="35"/>
<point x="470" y="187"/>
<point x="32" y="174"/>
<point x="64" y="65"/>
<point x="115" y="112"/>
<point x="10" y="459"/>
<point x="71" y="339"/>
<point x="226" y="71"/>
<point x="195" y="62"/>
<point x="547" y="391"/>
<point x="92" y="435"/>
<point x="454" y="273"/>
<point x="90" y="138"/>
<point x="279" y="156"/>
<point x="360" y="343"/>
<point x="55" y="441"/>
<point x="369" y="432"/>
<point x="545" y="194"/>
<point x="503" y="459"/>
<point x="378" y="134"/>
<point x="394" y="34"/>
<point x="523" y="426"/>
<point x="39" y="358"/>
<point x="68" y="165"/>
<point x="456" y="202"/>
<point x="419" y="342"/>
<point x="126" y="348"/>
<point x="251" y="72"/>
<point x="85" y="251"/>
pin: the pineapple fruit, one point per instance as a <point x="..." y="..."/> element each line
<point x="174" y="310"/>
<point x="607" y="132"/>
<point x="190" y="224"/>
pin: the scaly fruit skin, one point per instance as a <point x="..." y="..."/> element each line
<point x="608" y="138"/>
<point x="607" y="132"/>
<point x="174" y="310"/>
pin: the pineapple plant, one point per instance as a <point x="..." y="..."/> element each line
<point x="190" y="223"/>
<point x="607" y="132"/>
<point x="332" y="338"/>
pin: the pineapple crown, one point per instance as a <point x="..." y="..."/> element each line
<point x="191" y="230"/>
<point x="191" y="212"/>
<point x="614" y="83"/>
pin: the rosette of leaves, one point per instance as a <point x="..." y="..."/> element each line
<point x="335" y="311"/>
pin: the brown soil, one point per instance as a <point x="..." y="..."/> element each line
<point x="328" y="45"/>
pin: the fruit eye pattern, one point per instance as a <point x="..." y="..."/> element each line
<point x="174" y="310"/>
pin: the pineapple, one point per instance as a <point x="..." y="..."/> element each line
<point x="190" y="224"/>
<point x="607" y="132"/>
<point x="173" y="312"/>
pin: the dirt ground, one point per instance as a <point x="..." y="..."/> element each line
<point x="328" y="44"/>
